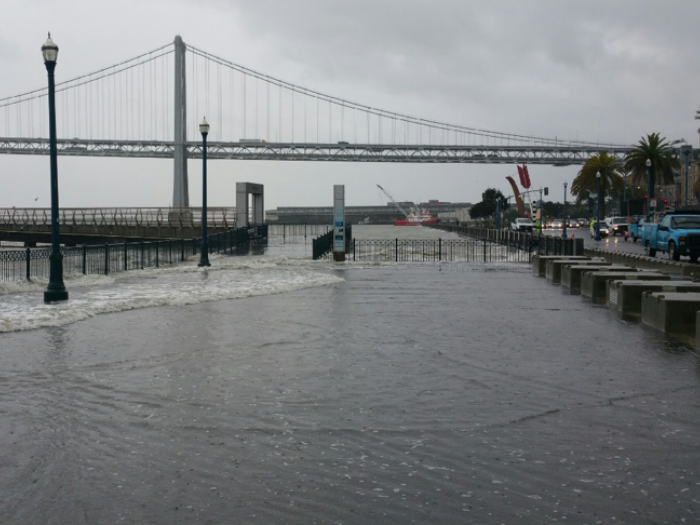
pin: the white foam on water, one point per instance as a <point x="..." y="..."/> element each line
<point x="38" y="284"/>
<point x="22" y="306"/>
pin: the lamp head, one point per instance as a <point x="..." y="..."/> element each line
<point x="49" y="50"/>
<point x="204" y="126"/>
<point x="648" y="163"/>
<point x="597" y="175"/>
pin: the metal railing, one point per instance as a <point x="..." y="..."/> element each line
<point x="323" y="245"/>
<point x="31" y="263"/>
<point x="296" y="232"/>
<point x="436" y="250"/>
<point x="482" y="245"/>
<point x="536" y="244"/>
<point x="101" y="217"/>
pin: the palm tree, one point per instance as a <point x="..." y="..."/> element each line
<point x="664" y="165"/>
<point x="611" y="180"/>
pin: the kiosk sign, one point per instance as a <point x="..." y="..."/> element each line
<point x="339" y="222"/>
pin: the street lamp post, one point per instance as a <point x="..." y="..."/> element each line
<point x="563" y="232"/>
<point x="204" y="252"/>
<point x="648" y="163"/>
<point x="676" y="153"/>
<point x="597" y="206"/>
<point x="56" y="290"/>
<point x="686" y="154"/>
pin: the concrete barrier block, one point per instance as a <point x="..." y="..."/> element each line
<point x="571" y="274"/>
<point x="625" y="297"/>
<point x="671" y="312"/>
<point x="539" y="262"/>
<point x="595" y="284"/>
<point x="555" y="266"/>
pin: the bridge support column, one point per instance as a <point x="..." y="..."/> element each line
<point x="181" y="194"/>
<point x="243" y="215"/>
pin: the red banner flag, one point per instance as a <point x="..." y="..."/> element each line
<point x="522" y="176"/>
<point x="526" y="175"/>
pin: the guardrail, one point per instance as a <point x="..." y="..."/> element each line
<point x="539" y="244"/>
<point x="105" y="217"/>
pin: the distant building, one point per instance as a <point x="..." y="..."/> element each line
<point x="361" y="214"/>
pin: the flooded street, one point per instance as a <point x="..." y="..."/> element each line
<point x="343" y="393"/>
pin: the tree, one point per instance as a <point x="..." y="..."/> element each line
<point x="586" y="181"/>
<point x="491" y="196"/>
<point x="487" y="206"/>
<point x="664" y="165"/>
<point x="481" y="210"/>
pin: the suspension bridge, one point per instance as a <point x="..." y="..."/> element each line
<point x="149" y="107"/>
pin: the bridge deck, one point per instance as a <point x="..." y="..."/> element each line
<point x="341" y="152"/>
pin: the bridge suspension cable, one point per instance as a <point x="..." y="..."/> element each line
<point x="132" y="102"/>
<point x="388" y="123"/>
<point x="111" y="103"/>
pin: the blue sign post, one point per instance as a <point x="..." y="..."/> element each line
<point x="339" y="222"/>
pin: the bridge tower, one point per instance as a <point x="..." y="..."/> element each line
<point x="181" y="194"/>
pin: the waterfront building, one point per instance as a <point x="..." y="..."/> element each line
<point x="386" y="214"/>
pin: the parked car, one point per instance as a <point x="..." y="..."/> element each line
<point x="522" y="224"/>
<point x="604" y="230"/>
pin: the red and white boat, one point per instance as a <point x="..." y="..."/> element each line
<point x="415" y="217"/>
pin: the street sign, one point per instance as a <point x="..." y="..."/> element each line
<point x="592" y="195"/>
<point x="653" y="203"/>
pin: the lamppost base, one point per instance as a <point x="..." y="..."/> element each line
<point x="53" y="296"/>
<point x="204" y="254"/>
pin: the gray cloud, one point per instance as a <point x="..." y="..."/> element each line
<point x="576" y="69"/>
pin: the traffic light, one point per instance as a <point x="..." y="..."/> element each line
<point x="546" y="191"/>
<point x="666" y="203"/>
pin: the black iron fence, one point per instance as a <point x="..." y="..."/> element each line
<point x="480" y="245"/>
<point x="30" y="263"/>
<point x="532" y="243"/>
<point x="435" y="250"/>
<point x="294" y="233"/>
<point x="323" y="245"/>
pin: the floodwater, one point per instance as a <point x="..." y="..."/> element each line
<point x="277" y="390"/>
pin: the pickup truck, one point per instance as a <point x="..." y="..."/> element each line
<point x="634" y="228"/>
<point x="522" y="224"/>
<point x="677" y="234"/>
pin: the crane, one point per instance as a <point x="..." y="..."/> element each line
<point x="393" y="201"/>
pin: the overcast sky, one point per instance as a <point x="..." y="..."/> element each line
<point x="608" y="71"/>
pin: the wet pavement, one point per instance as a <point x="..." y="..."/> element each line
<point x="444" y="393"/>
